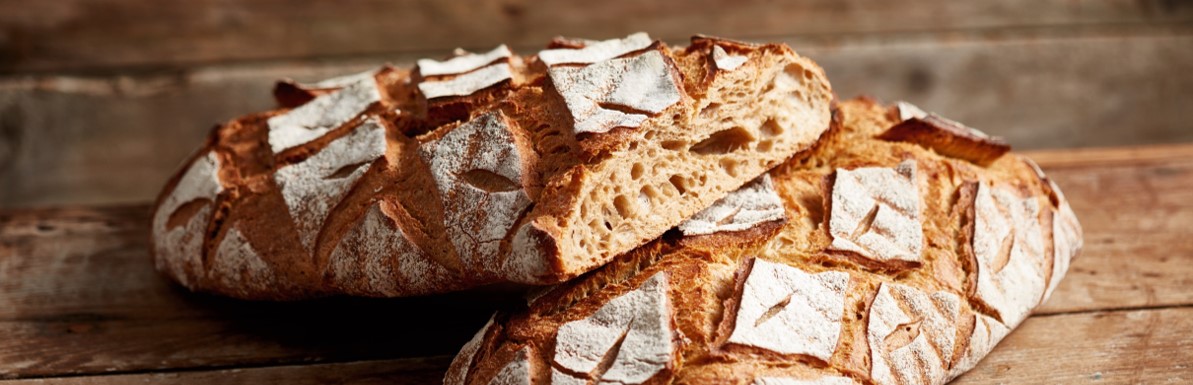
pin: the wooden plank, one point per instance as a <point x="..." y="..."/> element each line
<point x="1115" y="347"/>
<point x="1111" y="156"/>
<point x="88" y="34"/>
<point x="79" y="296"/>
<point x="1092" y="90"/>
<point x="412" y="371"/>
<point x="1136" y="214"/>
<point x="1119" y="347"/>
<point x="83" y="344"/>
<point x="105" y="140"/>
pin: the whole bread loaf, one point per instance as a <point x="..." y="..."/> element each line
<point x="483" y="168"/>
<point x="899" y="250"/>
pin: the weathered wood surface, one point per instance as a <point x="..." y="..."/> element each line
<point x="100" y="99"/>
<point x="410" y="371"/>
<point x="116" y="139"/>
<point x="92" y="34"/>
<point x="79" y="297"/>
<point x="1106" y="347"/>
<point x="1112" y="347"/>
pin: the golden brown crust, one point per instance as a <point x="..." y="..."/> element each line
<point x="931" y="310"/>
<point x="948" y="138"/>
<point x="539" y="195"/>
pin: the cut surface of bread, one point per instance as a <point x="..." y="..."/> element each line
<point x="890" y="262"/>
<point x="482" y="168"/>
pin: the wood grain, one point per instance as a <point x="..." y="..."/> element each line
<point x="1137" y="215"/>
<point x="72" y="35"/>
<point x="1113" y="347"/>
<point x="1119" y="347"/>
<point x="410" y="371"/>
<point x="78" y="294"/>
<point x="116" y="139"/>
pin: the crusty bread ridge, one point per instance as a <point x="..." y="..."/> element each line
<point x="898" y="259"/>
<point x="483" y="168"/>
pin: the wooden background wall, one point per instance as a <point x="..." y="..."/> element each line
<point x="100" y="99"/>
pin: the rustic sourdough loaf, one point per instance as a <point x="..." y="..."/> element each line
<point x="483" y="168"/>
<point x="884" y="255"/>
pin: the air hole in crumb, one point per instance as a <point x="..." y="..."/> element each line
<point x="673" y="145"/>
<point x="771" y="128"/>
<point x="765" y="146"/>
<point x="724" y="142"/>
<point x="710" y="109"/>
<point x="730" y="167"/>
<point x="648" y="192"/>
<point x="679" y="183"/>
<point x="769" y="87"/>
<point x="644" y="198"/>
<point x="636" y="171"/>
<point x="623" y="206"/>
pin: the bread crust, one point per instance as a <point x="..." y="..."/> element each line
<point x="779" y="304"/>
<point x="485" y="168"/>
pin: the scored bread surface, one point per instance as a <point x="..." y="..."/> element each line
<point x="484" y="168"/>
<point x="894" y="260"/>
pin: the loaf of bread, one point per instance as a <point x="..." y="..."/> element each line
<point x="899" y="250"/>
<point x="481" y="169"/>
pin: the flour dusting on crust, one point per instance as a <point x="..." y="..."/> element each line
<point x="464" y="63"/>
<point x="376" y="258"/>
<point x="311" y="188"/>
<point x="525" y="262"/>
<point x="911" y="334"/>
<point x="519" y="371"/>
<point x="827" y="380"/>
<point x="466" y="84"/>
<point x="457" y="372"/>
<point x="909" y="111"/>
<point x="635" y="327"/>
<point x="726" y="61"/>
<point x="1066" y="243"/>
<point x="987" y="332"/>
<point x="876" y="213"/>
<point x="596" y="51"/>
<point x="180" y="249"/>
<point x="478" y="170"/>
<point x="809" y="309"/>
<point x="321" y="115"/>
<point x="237" y="265"/>
<point x="755" y="203"/>
<point x="1008" y="243"/>
<point x="599" y="95"/>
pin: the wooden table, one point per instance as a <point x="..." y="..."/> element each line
<point x="80" y="302"/>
